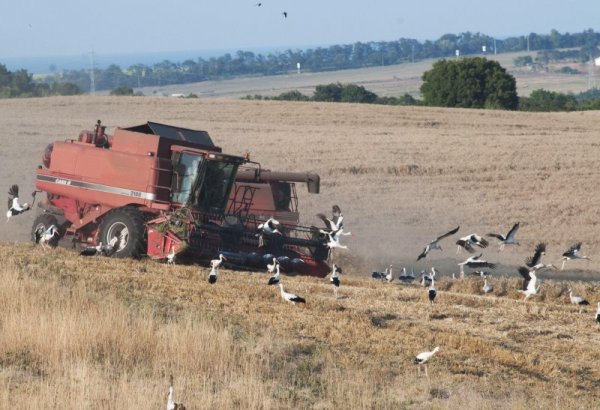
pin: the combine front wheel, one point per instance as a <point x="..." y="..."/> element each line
<point x="127" y="226"/>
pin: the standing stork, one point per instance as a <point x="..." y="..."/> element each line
<point x="171" y="404"/>
<point x="423" y="358"/>
<point x="578" y="300"/>
<point x="467" y="243"/>
<point x="509" y="239"/>
<point x="487" y="287"/>
<point x="275" y="279"/>
<point x="45" y="237"/>
<point x="598" y="313"/>
<point x="434" y="244"/>
<point x="290" y="297"/>
<point x="574" y="252"/>
<point x="432" y="293"/>
<point x="214" y="269"/>
<point x="335" y="279"/>
<point x="389" y="277"/>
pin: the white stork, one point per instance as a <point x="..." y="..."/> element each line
<point x="475" y="262"/>
<point x="487" y="287"/>
<point x="271" y="266"/>
<point x="578" y="300"/>
<point x="335" y="279"/>
<point x="14" y="206"/>
<point x="389" y="277"/>
<point x="467" y="242"/>
<point x="509" y="239"/>
<point x="434" y="244"/>
<point x="274" y="280"/>
<point x="423" y="358"/>
<point x="574" y="252"/>
<point x="529" y="287"/>
<point x="335" y="222"/>
<point x="270" y="226"/>
<point x="171" y="257"/>
<point x="432" y="293"/>
<point x="290" y="297"/>
<point x="598" y="313"/>
<point x="44" y="237"/>
<point x="171" y="404"/>
<point x="334" y="238"/>
<point x="214" y="269"/>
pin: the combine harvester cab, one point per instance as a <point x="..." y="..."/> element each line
<point x="156" y="190"/>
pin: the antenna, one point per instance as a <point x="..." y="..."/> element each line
<point x="92" y="79"/>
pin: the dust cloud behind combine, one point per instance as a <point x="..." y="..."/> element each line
<point x="402" y="175"/>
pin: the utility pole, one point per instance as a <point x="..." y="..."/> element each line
<point x="92" y="75"/>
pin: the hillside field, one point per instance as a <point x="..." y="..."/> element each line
<point x="99" y="333"/>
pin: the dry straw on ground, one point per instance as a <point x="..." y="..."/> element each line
<point x="97" y="333"/>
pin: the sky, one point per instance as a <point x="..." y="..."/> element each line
<point x="33" y="28"/>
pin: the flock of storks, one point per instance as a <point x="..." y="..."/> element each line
<point x="470" y="243"/>
<point x="332" y="234"/>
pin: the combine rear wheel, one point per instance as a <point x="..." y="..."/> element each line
<point x="127" y="226"/>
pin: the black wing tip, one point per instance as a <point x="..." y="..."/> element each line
<point x="13" y="190"/>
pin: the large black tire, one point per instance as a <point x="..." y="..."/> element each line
<point x="127" y="223"/>
<point x="45" y="221"/>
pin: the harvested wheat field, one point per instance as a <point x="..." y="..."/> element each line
<point x="98" y="333"/>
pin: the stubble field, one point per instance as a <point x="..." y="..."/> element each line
<point x="103" y="334"/>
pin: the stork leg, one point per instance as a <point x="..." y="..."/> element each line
<point x="563" y="264"/>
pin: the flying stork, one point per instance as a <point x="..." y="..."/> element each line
<point x="475" y="262"/>
<point x="574" y="252"/>
<point x="509" y="239"/>
<point x="529" y="287"/>
<point x="14" y="206"/>
<point x="434" y="244"/>
<point x="335" y="222"/>
<point x="467" y="242"/>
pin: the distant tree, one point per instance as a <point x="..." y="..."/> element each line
<point x="329" y="92"/>
<point x="353" y="93"/>
<point x="122" y="91"/>
<point x="522" y="61"/>
<point x="293" y="95"/>
<point x="469" y="83"/>
<point x="65" y="89"/>
<point x="542" y="100"/>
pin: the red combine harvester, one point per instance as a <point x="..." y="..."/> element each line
<point x="156" y="190"/>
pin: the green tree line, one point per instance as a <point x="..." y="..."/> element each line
<point x="465" y="83"/>
<point x="335" y="57"/>
<point x="20" y="84"/>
